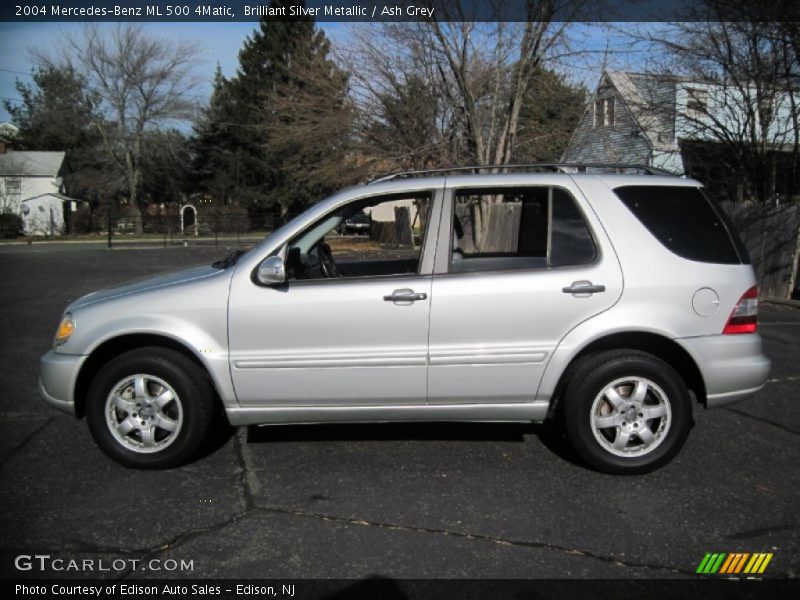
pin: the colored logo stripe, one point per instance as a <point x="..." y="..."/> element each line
<point x="758" y="563"/>
<point x="734" y="563"/>
<point x="711" y="562"/>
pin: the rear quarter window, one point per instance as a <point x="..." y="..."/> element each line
<point x="686" y="221"/>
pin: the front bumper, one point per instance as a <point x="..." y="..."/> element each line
<point x="733" y="366"/>
<point x="58" y="374"/>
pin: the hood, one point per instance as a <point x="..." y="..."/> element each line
<point x="146" y="284"/>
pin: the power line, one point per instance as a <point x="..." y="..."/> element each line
<point x="15" y="72"/>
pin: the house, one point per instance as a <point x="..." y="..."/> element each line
<point x="47" y="214"/>
<point x="30" y="181"/>
<point x="678" y="124"/>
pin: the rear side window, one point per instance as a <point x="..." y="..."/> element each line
<point x="501" y="229"/>
<point x="685" y="221"/>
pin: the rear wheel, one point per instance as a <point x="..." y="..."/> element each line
<point x="626" y="411"/>
<point x="150" y="408"/>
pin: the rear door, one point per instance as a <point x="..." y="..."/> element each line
<point x="519" y="267"/>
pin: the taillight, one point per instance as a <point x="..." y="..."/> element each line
<point x="744" y="317"/>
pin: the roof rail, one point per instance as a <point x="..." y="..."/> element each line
<point x="555" y="167"/>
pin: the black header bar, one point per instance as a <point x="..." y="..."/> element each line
<point x="398" y="10"/>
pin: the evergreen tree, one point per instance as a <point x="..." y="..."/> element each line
<point x="549" y="115"/>
<point x="214" y="145"/>
<point x="166" y="167"/>
<point x="242" y="153"/>
<point x="56" y="112"/>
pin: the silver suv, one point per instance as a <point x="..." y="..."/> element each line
<point x="614" y="302"/>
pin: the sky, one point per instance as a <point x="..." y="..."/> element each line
<point x="220" y="43"/>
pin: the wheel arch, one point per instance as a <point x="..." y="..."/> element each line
<point x="657" y="345"/>
<point x="117" y="345"/>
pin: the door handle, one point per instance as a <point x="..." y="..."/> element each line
<point x="405" y="295"/>
<point x="581" y="288"/>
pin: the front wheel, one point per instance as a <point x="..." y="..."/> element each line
<point x="150" y="408"/>
<point x="626" y="412"/>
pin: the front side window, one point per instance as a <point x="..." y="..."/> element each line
<point x="518" y="228"/>
<point x="374" y="237"/>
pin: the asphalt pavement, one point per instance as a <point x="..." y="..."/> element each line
<point x="392" y="501"/>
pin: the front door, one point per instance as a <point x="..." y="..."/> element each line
<point x="350" y="326"/>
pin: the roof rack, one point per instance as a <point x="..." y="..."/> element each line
<point x="554" y="167"/>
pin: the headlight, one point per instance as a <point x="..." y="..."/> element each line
<point x="65" y="329"/>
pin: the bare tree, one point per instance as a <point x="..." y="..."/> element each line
<point x="459" y="84"/>
<point x="472" y="77"/>
<point x="142" y="83"/>
<point x="738" y="81"/>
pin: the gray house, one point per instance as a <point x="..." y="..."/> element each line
<point x="631" y="119"/>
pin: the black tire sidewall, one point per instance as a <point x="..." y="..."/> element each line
<point x="188" y="381"/>
<point x="596" y="373"/>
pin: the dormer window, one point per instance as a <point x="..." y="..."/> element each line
<point x="604" y="112"/>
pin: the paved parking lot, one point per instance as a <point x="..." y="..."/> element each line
<point x="397" y="501"/>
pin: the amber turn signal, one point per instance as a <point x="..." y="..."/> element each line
<point x="65" y="329"/>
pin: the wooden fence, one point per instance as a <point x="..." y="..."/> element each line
<point x="772" y="236"/>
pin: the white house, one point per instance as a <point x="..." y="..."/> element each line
<point x="46" y="214"/>
<point x="29" y="176"/>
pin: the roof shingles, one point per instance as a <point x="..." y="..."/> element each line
<point x="31" y="164"/>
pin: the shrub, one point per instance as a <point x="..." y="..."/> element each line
<point x="10" y="225"/>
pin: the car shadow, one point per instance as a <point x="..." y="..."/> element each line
<point x="218" y="436"/>
<point x="428" y="431"/>
<point x="549" y="433"/>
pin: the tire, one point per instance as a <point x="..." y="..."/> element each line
<point x="626" y="412"/>
<point x="150" y="408"/>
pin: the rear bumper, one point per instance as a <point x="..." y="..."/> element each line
<point x="733" y="366"/>
<point x="57" y="376"/>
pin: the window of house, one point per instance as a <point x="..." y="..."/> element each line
<point x="696" y="102"/>
<point x="609" y="111"/>
<point x="518" y="228"/>
<point x="604" y="112"/>
<point x="13" y="186"/>
<point x="373" y="237"/>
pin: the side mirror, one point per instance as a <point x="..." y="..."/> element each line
<point x="271" y="271"/>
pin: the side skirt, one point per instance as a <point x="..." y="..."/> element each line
<point x="533" y="411"/>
